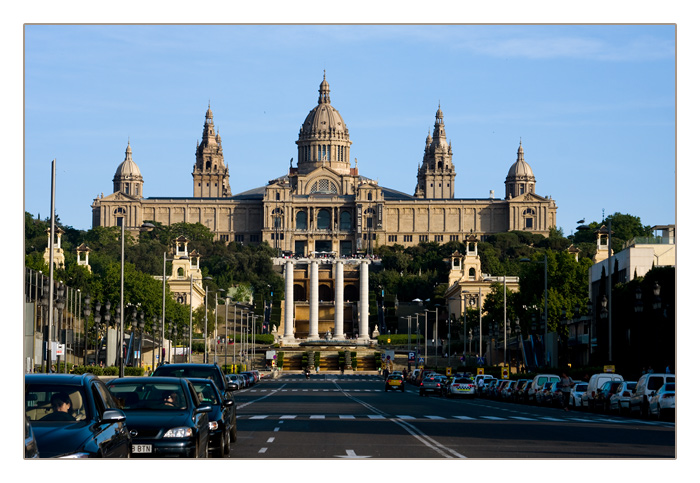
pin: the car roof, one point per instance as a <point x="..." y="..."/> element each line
<point x="63" y="379"/>
<point x="147" y="380"/>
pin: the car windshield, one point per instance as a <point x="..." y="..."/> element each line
<point x="147" y="396"/>
<point x="581" y="387"/>
<point x="631" y="386"/>
<point x="55" y="403"/>
<point x="206" y="391"/>
<point x="200" y="372"/>
<point x="670" y="387"/>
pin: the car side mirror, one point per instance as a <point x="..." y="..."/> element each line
<point x="228" y="402"/>
<point x="113" y="416"/>
<point x="203" y="408"/>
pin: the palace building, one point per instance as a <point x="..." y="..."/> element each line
<point x="323" y="204"/>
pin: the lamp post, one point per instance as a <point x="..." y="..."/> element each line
<point x="97" y="319"/>
<point x="408" y="341"/>
<point x="425" y="311"/>
<point x="120" y="221"/>
<point x="546" y="304"/>
<point x="86" y="312"/>
<point x="60" y="305"/>
<point x="153" y="346"/>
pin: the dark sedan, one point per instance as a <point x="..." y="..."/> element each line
<point x="164" y="415"/>
<point x="74" y="416"/>
<point x="222" y="418"/>
<point x="205" y="371"/>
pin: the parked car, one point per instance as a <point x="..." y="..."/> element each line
<point x="461" y="386"/>
<point x="485" y="378"/>
<point x="555" y="396"/>
<point x="601" y="402"/>
<point x="646" y="386"/>
<point x="207" y="371"/>
<point x="164" y="415"/>
<point x="413" y="376"/>
<point x="222" y="418"/>
<point x="520" y="392"/>
<point x="576" y="392"/>
<point x="620" y="400"/>
<point x="543" y="392"/>
<point x="30" y="449"/>
<point x="537" y="382"/>
<point x="431" y="384"/>
<point x="233" y="379"/>
<point x="74" y="416"/>
<point x="663" y="402"/>
<point x="595" y="383"/>
<point x="394" y="382"/>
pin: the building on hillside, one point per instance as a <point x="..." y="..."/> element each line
<point x="59" y="258"/>
<point x="323" y="204"/>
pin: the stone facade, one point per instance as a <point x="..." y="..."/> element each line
<point x="324" y="204"/>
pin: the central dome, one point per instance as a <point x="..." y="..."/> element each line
<point x="324" y="119"/>
<point x="323" y="138"/>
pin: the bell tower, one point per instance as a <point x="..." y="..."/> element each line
<point x="436" y="176"/>
<point x="210" y="174"/>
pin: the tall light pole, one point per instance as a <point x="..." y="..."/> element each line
<point x="121" y="306"/>
<point x="546" y="304"/>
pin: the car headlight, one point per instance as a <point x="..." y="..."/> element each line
<point x="182" y="432"/>
<point x="213" y="425"/>
<point x="76" y="455"/>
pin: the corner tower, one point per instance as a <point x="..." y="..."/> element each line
<point x="323" y="138"/>
<point x="210" y="174"/>
<point x="436" y="176"/>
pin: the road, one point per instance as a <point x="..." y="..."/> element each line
<point x="351" y="416"/>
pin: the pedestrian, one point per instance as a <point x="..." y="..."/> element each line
<point x="566" y="384"/>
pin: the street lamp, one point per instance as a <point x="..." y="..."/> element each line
<point x="86" y="312"/>
<point x="546" y="305"/>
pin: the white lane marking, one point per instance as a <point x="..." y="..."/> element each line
<point x="435" y="417"/>
<point x="494" y="418"/>
<point x="262" y="450"/>
<point x="288" y="416"/>
<point x="402" y="416"/>
<point x="276" y="429"/>
<point x="239" y="406"/>
<point x="317" y="416"/>
<point x="523" y="418"/>
<point x="351" y="454"/>
<point x="375" y="416"/>
<point x="463" y="417"/>
<point x="346" y="416"/>
<point x="259" y="416"/>
<point x="270" y="440"/>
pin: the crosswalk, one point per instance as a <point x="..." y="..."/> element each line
<point x="430" y="417"/>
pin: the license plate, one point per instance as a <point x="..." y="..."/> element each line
<point x="141" y="448"/>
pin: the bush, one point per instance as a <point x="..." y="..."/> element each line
<point x="280" y="360"/>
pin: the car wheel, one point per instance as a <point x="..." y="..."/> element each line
<point x="234" y="432"/>
<point x="221" y="450"/>
<point x="421" y="393"/>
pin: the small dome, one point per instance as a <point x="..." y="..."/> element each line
<point x="128" y="167"/>
<point x="520" y="168"/>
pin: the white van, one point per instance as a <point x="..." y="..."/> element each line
<point x="646" y="387"/>
<point x="594" y="384"/>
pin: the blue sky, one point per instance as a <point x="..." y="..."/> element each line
<point x="594" y="106"/>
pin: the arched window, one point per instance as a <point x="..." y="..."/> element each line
<point x="472" y="273"/>
<point x="301" y="220"/>
<point x="369" y="196"/>
<point x="180" y="272"/>
<point x="324" y="185"/>
<point x="323" y="219"/>
<point x="529" y="215"/>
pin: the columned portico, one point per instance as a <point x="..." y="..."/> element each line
<point x="364" y="301"/>
<point x="289" y="301"/>
<point x="339" y="309"/>
<point x="313" y="302"/>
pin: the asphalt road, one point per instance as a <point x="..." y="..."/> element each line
<point x="351" y="416"/>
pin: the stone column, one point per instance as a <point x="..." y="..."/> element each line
<point x="289" y="301"/>
<point x="339" y="305"/>
<point x="364" y="300"/>
<point x="313" y="301"/>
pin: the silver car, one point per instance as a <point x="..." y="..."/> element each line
<point x="620" y="400"/>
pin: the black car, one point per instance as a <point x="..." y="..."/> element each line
<point x="204" y="371"/>
<point x="601" y="402"/>
<point x="222" y="418"/>
<point x="164" y="415"/>
<point x="74" y="416"/>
